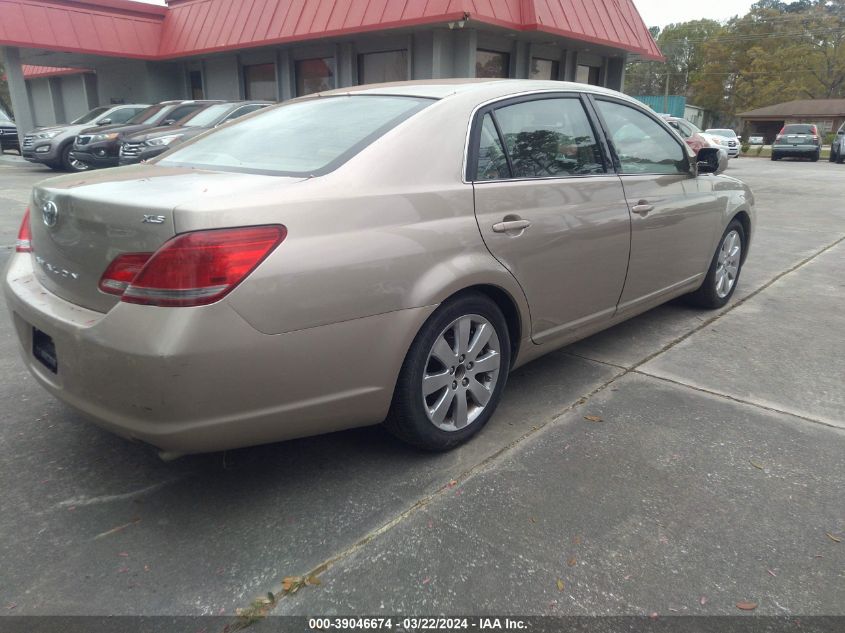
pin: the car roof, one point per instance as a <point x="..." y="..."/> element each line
<point x="489" y="88"/>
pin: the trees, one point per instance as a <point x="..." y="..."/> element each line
<point x="776" y="52"/>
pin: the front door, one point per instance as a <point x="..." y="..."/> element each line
<point x="551" y="210"/>
<point x="673" y="213"/>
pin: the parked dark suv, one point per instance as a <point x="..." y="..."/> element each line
<point x="8" y="133"/>
<point x="797" y="139"/>
<point x="100" y="146"/>
<point x="150" y="143"/>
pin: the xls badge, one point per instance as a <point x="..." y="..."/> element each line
<point x="50" y="213"/>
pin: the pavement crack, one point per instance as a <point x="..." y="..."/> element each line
<point x="726" y="396"/>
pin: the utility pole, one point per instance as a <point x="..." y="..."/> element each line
<point x="666" y="93"/>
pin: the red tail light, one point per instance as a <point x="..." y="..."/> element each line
<point x="778" y="137"/>
<point x="192" y="269"/>
<point x="24" y="242"/>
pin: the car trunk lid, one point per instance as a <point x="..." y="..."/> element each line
<point x="81" y="223"/>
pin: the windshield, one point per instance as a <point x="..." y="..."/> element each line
<point x="207" y="116"/>
<point x="306" y="138"/>
<point x="87" y="118"/>
<point x="146" y="116"/>
<point x="728" y="133"/>
<point x="4" y="117"/>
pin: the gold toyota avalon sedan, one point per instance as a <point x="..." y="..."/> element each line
<point x="385" y="253"/>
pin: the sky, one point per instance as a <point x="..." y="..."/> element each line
<point x="663" y="12"/>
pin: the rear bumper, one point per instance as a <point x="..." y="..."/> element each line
<point x="796" y="150"/>
<point x="202" y="379"/>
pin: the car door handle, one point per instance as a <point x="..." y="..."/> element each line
<point x="511" y="225"/>
<point x="642" y="208"/>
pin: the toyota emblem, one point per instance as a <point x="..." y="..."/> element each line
<point x="49" y="213"/>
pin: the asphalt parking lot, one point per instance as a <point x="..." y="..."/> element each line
<point x="714" y="475"/>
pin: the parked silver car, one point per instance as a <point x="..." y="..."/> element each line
<point x="837" y="146"/>
<point x="387" y="252"/>
<point x="52" y="145"/>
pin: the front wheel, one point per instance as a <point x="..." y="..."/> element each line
<point x="832" y="156"/>
<point x="69" y="163"/>
<point x="723" y="274"/>
<point x="453" y="376"/>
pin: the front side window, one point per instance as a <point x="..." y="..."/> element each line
<point x="642" y="144"/>
<point x="491" y="64"/>
<point x="260" y="81"/>
<point x="242" y="111"/>
<point x="376" y="68"/>
<point x="180" y="112"/>
<point x="549" y="138"/>
<point x="306" y="138"/>
<point x="314" y="75"/>
<point x="123" y="115"/>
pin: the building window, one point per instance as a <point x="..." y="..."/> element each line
<point x="491" y="64"/>
<point x="314" y="75"/>
<point x="544" y="69"/>
<point x="588" y="75"/>
<point x="195" y="79"/>
<point x="375" y="68"/>
<point x="260" y="82"/>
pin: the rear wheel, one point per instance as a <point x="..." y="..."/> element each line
<point x="775" y="157"/>
<point x="723" y="274"/>
<point x="816" y="157"/>
<point x="839" y="157"/>
<point x="69" y="163"/>
<point x="453" y="376"/>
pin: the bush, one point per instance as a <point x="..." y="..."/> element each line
<point x="745" y="147"/>
<point x="828" y="138"/>
<point x="759" y="149"/>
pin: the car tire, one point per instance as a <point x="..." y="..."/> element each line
<point x="725" y="267"/>
<point x="69" y="163"/>
<point x="444" y="362"/>
<point x="839" y="157"/>
<point x="775" y="157"/>
<point x="815" y="158"/>
<point x="832" y="157"/>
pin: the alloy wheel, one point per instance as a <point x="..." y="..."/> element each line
<point x="461" y="372"/>
<point x="727" y="266"/>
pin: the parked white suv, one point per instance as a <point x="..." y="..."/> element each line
<point x="728" y="136"/>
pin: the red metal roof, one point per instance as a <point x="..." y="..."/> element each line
<point x="189" y="27"/>
<point x="35" y="72"/>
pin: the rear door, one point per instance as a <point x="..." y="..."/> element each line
<point x="674" y="215"/>
<point x="550" y="209"/>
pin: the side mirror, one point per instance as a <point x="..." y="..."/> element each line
<point x="840" y="132"/>
<point x="105" y="121"/>
<point x="712" y="161"/>
<point x="169" y="121"/>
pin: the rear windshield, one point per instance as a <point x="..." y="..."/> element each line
<point x="87" y="118"/>
<point x="306" y="138"/>
<point x="799" y="129"/>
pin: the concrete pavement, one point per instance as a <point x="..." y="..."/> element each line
<point x="716" y="471"/>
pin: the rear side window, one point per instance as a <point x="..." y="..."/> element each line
<point x="544" y="138"/>
<point x="305" y="138"/>
<point x="642" y="145"/>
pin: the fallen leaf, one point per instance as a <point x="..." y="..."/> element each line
<point x="702" y="600"/>
<point x="592" y="418"/>
<point x="628" y="577"/>
<point x="756" y="464"/>
<point x="532" y="519"/>
<point x="572" y="562"/>
<point x="833" y="538"/>
<point x="426" y="580"/>
<point x="653" y="615"/>
<point x="312" y="581"/>
<point x="577" y="540"/>
<point x="290" y="583"/>
<point x="746" y="606"/>
<point x="453" y="483"/>
<point x="771" y="573"/>
<point x="560" y="585"/>
<point x="271" y="599"/>
<point x="14" y="605"/>
<point x="673" y="610"/>
<point x="123" y="554"/>
<point x="122" y="570"/>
